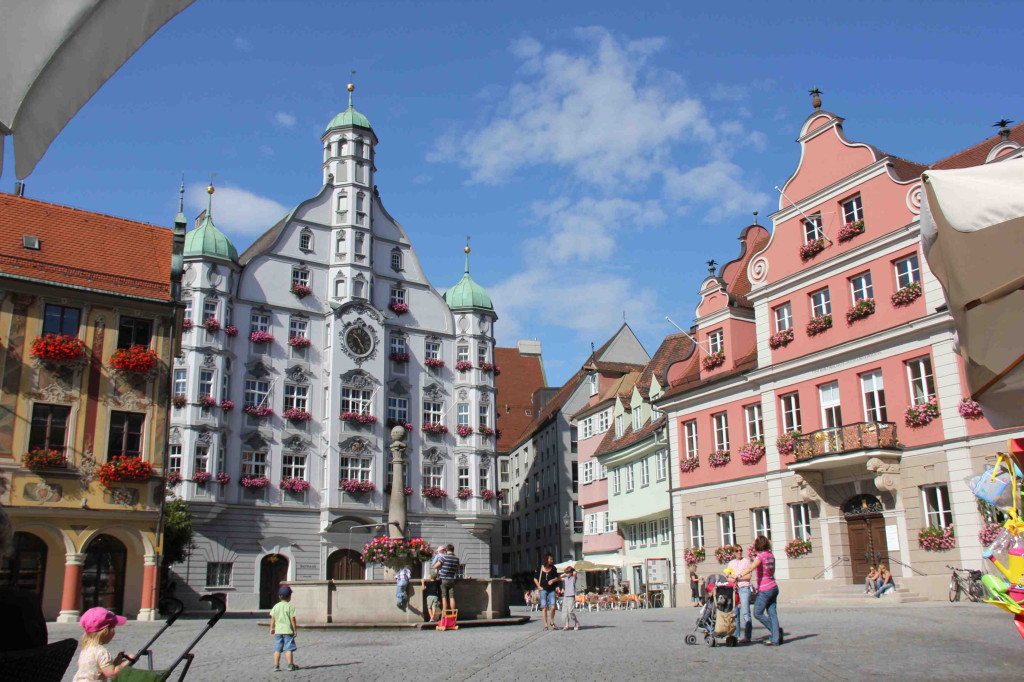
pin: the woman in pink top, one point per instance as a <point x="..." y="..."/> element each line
<point x="744" y="625"/>
<point x="767" y="589"/>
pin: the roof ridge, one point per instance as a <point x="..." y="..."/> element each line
<point x="19" y="197"/>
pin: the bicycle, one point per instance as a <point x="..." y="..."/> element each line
<point x="971" y="585"/>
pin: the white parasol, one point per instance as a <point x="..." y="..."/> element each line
<point x="55" y="55"/>
<point x="972" y="231"/>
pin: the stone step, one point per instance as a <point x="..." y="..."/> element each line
<point x="894" y="597"/>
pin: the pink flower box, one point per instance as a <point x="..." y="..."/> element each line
<point x="400" y="358"/>
<point x="398" y="308"/>
<point x="936" y="539"/>
<point x="358" y="417"/>
<point x="798" y="548"/>
<point x="487" y="495"/>
<point x="819" y="325"/>
<point x="752" y="452"/>
<point x="969" y="409"/>
<point x="463" y="365"/>
<point x="485" y="431"/>
<point x="223" y="478"/>
<point x="294" y="485"/>
<point x="464" y="430"/>
<point x="261" y="337"/>
<point x="864" y="308"/>
<point x="201" y="477"/>
<point x="207" y="401"/>
<point x="464" y="494"/>
<point x="301" y="290"/>
<point x="435" y="428"/>
<point x="258" y="410"/>
<point x="719" y="458"/>
<point x="811" y="249"/>
<point x="922" y="415"/>
<point x="786" y="443"/>
<point x="293" y="414"/>
<point x="227" y="405"/>
<point x="173" y="478"/>
<point x="688" y="464"/>
<point x="434" y="363"/>
<point x="851" y="230"/>
<point x="299" y="342"/>
<point x="713" y="361"/>
<point x="356" y="487"/>
<point x="434" y="493"/>
<point x="211" y="324"/>
<point x="187" y="324"/>
<point x="486" y="367"/>
<point x="255" y="482"/>
<point x="231" y="330"/>
<point x="907" y="295"/>
<point x="783" y="338"/>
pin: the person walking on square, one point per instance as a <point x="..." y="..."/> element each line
<point x="546" y="582"/>
<point x="447" y="567"/>
<point x="569" y="598"/>
<point x="694" y="586"/>
<point x="744" y="624"/>
<point x="765" y="606"/>
<point x="282" y="627"/>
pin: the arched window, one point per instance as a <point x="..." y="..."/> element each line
<point x="396" y="259"/>
<point x="360" y="238"/>
<point x="340" y="242"/>
<point x="359" y="287"/>
<point x="339" y="288"/>
<point x="306" y="239"/>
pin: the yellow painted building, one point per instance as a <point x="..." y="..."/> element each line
<point x="101" y="286"/>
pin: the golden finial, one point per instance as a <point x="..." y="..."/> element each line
<point x="351" y="87"/>
<point x="466" y="249"/>
<point x="209" y="189"/>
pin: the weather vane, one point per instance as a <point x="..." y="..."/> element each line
<point x="711" y="266"/>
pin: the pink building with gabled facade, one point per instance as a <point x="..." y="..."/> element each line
<point x="824" y="409"/>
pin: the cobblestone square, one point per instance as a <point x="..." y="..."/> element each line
<point x="909" y="642"/>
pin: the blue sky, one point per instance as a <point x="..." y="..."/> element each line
<point x="597" y="152"/>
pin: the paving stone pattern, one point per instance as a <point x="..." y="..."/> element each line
<point x="907" y="642"/>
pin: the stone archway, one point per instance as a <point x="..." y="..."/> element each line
<point x="103" y="574"/>
<point x="273" y="571"/>
<point x="25" y="568"/>
<point x="866" y="528"/>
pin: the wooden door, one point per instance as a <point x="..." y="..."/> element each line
<point x="868" y="546"/>
<point x="346" y="564"/>
<point x="273" y="571"/>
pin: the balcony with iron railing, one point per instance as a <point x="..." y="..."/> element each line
<point x="850" y="444"/>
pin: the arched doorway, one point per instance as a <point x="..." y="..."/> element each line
<point x="866" y="528"/>
<point x="103" y="574"/>
<point x="273" y="571"/>
<point x="25" y="569"/>
<point x="346" y="564"/>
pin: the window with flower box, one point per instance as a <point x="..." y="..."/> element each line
<point x="783" y="317"/>
<point x="821" y="303"/>
<point x="296" y="397"/>
<point x="205" y="383"/>
<point x="462" y="354"/>
<point x="398" y="345"/>
<point x="257" y="392"/>
<point x="398" y="409"/>
<point x="433" y="476"/>
<point x="938" y="513"/>
<point x="397" y="295"/>
<point x="860" y="287"/>
<point x="831" y="413"/>
<point x="49" y="427"/>
<point x="462" y="410"/>
<point x="298" y="328"/>
<point x="433" y="350"/>
<point x="293" y="466"/>
<point x="755" y="422"/>
<point x="300" y="277"/>
<point x="58" y="319"/>
<point x="434" y="411"/>
<point x="690" y="438"/>
<point x="201" y="461"/>
<point x="484" y="480"/>
<point x="259" y="322"/>
<point x="661" y="465"/>
<point x="355" y="468"/>
<point x="762" y="522"/>
<point x="801" y="515"/>
<point x="716" y="341"/>
<point x="874" y="396"/>
<point x="125" y="435"/>
<point x="727" y="528"/>
<point x="464" y="480"/>
<point x="908" y="271"/>
<point x="134" y="331"/>
<point x="482" y="354"/>
<point x="853" y="210"/>
<point x="180" y="382"/>
<point x="922" y="383"/>
<point x="696" y="524"/>
<point x="356" y="400"/>
<point x="188" y="310"/>
<point x="484" y="417"/>
<point x="174" y="459"/>
<point x="813" y="229"/>
<point x="721" y="422"/>
<point x="790" y="412"/>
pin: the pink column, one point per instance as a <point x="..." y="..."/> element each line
<point x="150" y="586"/>
<point x="71" y="598"/>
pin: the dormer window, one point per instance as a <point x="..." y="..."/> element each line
<point x="812" y="229"/>
<point x="619" y="426"/>
<point x="853" y="210"/>
<point x="637" y="418"/>
<point x="716" y="341"/>
<point x="592" y="378"/>
<point x="396" y="259"/>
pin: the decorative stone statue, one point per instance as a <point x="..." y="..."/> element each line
<point x="398" y="520"/>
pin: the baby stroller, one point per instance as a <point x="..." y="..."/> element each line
<point x="717" y="618"/>
<point x="174" y="608"/>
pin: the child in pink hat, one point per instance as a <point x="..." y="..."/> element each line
<point x="94" y="662"/>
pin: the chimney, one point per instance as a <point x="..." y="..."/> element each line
<point x="541" y="397"/>
<point x="528" y="348"/>
<point x="19" y="189"/>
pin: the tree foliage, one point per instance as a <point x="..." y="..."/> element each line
<point x="177" y="531"/>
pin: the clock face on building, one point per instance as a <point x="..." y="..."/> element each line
<point x="359" y="341"/>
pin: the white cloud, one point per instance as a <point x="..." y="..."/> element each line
<point x="266" y="150"/>
<point x="242" y="44"/>
<point x="237" y="210"/>
<point x="587" y="230"/>
<point x="421" y="179"/>
<point x="284" y="120"/>
<point x="717" y="183"/>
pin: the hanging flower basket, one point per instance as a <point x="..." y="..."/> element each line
<point x="137" y="360"/>
<point x="497" y="371"/>
<point x="864" y="308"/>
<point x="727" y="553"/>
<point x="261" y="336"/>
<point x="719" y="458"/>
<point x="464" y="430"/>
<point x="40" y="458"/>
<point x="358" y="417"/>
<point x="400" y="358"/>
<point x="254" y="482"/>
<point x="223" y="478"/>
<point x="485" y="431"/>
<point x="207" y="401"/>
<point x="293" y="414"/>
<point x="714" y="360"/>
<point x="124" y="469"/>
<point x="987" y="535"/>
<point x="486" y="367"/>
<point x="398" y="308"/>
<point x="936" y="539"/>
<point x="260" y="411"/>
<point x="922" y="415"/>
<point x="295" y="485"/>
<point x="694" y="555"/>
<point x="463" y="365"/>
<point x="231" y="330"/>
<point x="907" y="295"/>
<point x="819" y="325"/>
<point x="211" y="324"/>
<point x="395" y="553"/>
<point x="299" y="342"/>
<point x="811" y="249"/>
<point x="464" y="494"/>
<point x="187" y="324"/>
<point x="179" y="401"/>
<point x="783" y="338"/>
<point x="487" y="495"/>
<point x="434" y="363"/>
<point x="407" y="490"/>
<point x="301" y="290"/>
<point x="798" y="548"/>
<point x="435" y="428"/>
<point x="688" y="464"/>
<point x="172" y="479"/>
<point x="850" y="230"/>
<point x="354" y="486"/>
<point x="201" y="477"/>
<point x="59" y="349"/>
<point x="399" y="422"/>
<point x="970" y="409"/>
<point x="786" y="443"/>
<point x="227" y="405"/>
<point x="752" y="452"/>
<point x="434" y="493"/>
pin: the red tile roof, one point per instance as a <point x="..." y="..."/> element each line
<point x="674" y="348"/>
<point x="623" y="384"/>
<point x="629" y="437"/>
<point x="976" y="155"/>
<point x="84" y="249"/>
<point x="520" y="377"/>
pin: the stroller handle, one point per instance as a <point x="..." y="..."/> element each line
<point x="218" y="605"/>
<point x="173" y="606"/>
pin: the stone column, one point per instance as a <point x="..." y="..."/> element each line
<point x="71" y="598"/>
<point x="398" y="518"/>
<point x="150" y="571"/>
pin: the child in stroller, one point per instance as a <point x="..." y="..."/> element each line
<point x="717" y="618"/>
